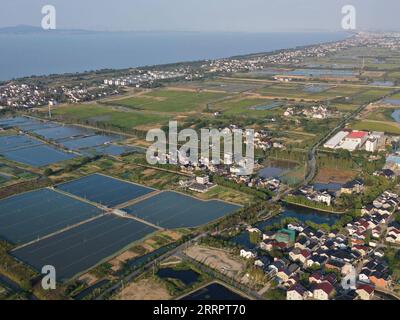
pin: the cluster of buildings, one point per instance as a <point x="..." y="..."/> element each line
<point x="314" y="263"/>
<point x="145" y="77"/>
<point x="16" y="95"/>
<point x="284" y="57"/>
<point x="226" y="166"/>
<point x="298" y="55"/>
<point x="198" y="184"/>
<point x="314" y="112"/>
<point x="327" y="196"/>
<point x="352" y="140"/>
<point x="392" y="164"/>
<point x="229" y="170"/>
<point x="376" y="217"/>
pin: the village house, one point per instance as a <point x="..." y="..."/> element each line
<point x="365" y="291"/>
<point x="323" y="291"/>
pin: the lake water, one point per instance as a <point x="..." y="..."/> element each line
<point x="50" y="53"/>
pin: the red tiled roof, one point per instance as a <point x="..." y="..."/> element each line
<point x="369" y="289"/>
<point x="325" y="286"/>
<point x="357" y="135"/>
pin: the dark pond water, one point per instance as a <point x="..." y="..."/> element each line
<point x="383" y="83"/>
<point x="316" y="88"/>
<point x="88" y="291"/>
<point x="270" y="106"/>
<point x="331" y="186"/>
<point x="188" y="277"/>
<point x="395" y="102"/>
<point x="214" y="291"/>
<point x="396" y="115"/>
<point x="271" y="172"/>
<point x="301" y="214"/>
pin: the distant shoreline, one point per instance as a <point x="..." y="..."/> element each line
<point x="211" y="47"/>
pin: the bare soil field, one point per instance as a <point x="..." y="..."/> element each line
<point x="217" y="259"/>
<point x="145" y="289"/>
<point x="326" y="175"/>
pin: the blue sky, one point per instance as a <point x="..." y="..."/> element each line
<point x="204" y="15"/>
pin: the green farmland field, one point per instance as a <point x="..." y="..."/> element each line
<point x="387" y="127"/>
<point x="170" y="101"/>
<point x="96" y="114"/>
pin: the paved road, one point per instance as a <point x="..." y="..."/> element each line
<point x="312" y="160"/>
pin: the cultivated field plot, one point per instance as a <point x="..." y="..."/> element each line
<point x="250" y="107"/>
<point x="174" y="210"/>
<point x="32" y="215"/>
<point x="105" y="190"/>
<point x="222" y="85"/>
<point x="38" y="156"/>
<point x="170" y="100"/>
<point x="106" y="116"/>
<point x="300" y="91"/>
<point x="81" y="248"/>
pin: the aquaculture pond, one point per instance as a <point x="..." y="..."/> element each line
<point x="81" y="248"/>
<point x="84" y="141"/>
<point x="321" y="73"/>
<point x="175" y="210"/>
<point x="214" y="291"/>
<point x="105" y="190"/>
<point x="32" y="215"/>
<point x="39" y="156"/>
<point x="187" y="276"/>
<point x="302" y="214"/>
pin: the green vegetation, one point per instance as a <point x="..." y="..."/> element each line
<point x="105" y="117"/>
<point x="15" y="270"/>
<point x="248" y="107"/>
<point x="369" y="125"/>
<point x="169" y="101"/>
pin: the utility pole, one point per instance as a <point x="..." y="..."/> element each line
<point x="49" y="109"/>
